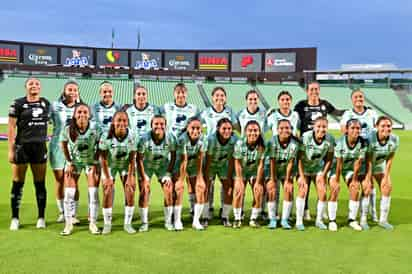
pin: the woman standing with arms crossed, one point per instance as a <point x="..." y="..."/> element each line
<point x="27" y="135"/>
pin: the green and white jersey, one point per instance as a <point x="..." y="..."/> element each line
<point x="156" y="157"/>
<point x="313" y="153"/>
<point x="380" y="152"/>
<point x="244" y="116"/>
<point x="249" y="157"/>
<point x="210" y="117"/>
<point x="118" y="150"/>
<point x="274" y="116"/>
<point x="350" y="155"/>
<point x="83" y="150"/>
<point x="282" y="154"/>
<point x="367" y="119"/>
<point x="102" y="115"/>
<point x="220" y="154"/>
<point x="61" y="115"/>
<point x="177" y="117"/>
<point x="140" y="119"/>
<point x="192" y="150"/>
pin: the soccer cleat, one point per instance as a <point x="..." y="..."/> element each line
<point x="253" y="223"/>
<point x="355" y="226"/>
<point x="300" y="227"/>
<point x="60" y="219"/>
<point x="211" y="212"/>
<point x="144" y="227"/>
<point x="333" y="226"/>
<point x="68" y="229"/>
<point x="285" y="224"/>
<point x="364" y="225"/>
<point x="94" y="229"/>
<point x="321" y="225"/>
<point x="197" y="226"/>
<point x="237" y="224"/>
<point x="306" y="215"/>
<point x="75" y="221"/>
<point x="14" y="225"/>
<point x="129" y="229"/>
<point x="272" y="224"/>
<point x="178" y="225"/>
<point x="169" y="227"/>
<point x="264" y="216"/>
<point x="205" y="222"/>
<point x="107" y="229"/>
<point x="41" y="223"/>
<point x="226" y="222"/>
<point x="386" y="225"/>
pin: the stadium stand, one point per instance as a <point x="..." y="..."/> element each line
<point x="383" y="100"/>
<point x="387" y="100"/>
<point x="161" y="92"/>
<point x="235" y="93"/>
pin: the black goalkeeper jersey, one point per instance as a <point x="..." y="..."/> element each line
<point x="32" y="119"/>
<point x="308" y="113"/>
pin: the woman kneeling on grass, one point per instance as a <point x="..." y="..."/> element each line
<point x="79" y="144"/>
<point x="117" y="151"/>
<point x="191" y="148"/>
<point x="249" y="154"/>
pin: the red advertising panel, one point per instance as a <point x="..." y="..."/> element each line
<point x="213" y="61"/>
<point x="9" y="53"/>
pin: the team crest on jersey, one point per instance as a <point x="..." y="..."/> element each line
<point x="36" y="112"/>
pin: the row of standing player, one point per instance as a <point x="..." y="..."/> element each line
<point x="175" y="113"/>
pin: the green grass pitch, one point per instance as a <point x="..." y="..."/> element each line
<point x="216" y="250"/>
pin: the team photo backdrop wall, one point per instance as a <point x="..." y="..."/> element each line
<point x="76" y="57"/>
<point x="9" y="53"/>
<point x="40" y="55"/>
<point x="112" y="57"/>
<point x="146" y="60"/>
<point x="180" y="60"/>
<point x="280" y="61"/>
<point x="213" y="61"/>
<point x="246" y="62"/>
